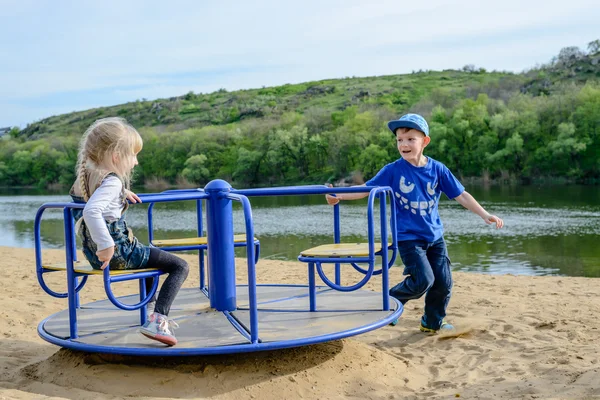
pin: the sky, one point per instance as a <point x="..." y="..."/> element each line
<point x="59" y="56"/>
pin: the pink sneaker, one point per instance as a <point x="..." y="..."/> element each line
<point x="159" y="327"/>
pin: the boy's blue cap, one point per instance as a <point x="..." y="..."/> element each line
<point x="411" y="121"/>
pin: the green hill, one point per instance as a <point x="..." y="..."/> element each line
<point x="397" y="92"/>
<point x="541" y="123"/>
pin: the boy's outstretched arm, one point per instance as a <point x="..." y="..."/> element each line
<point x="469" y="202"/>
<point x="333" y="200"/>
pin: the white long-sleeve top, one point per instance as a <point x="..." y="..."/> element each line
<point x="105" y="204"/>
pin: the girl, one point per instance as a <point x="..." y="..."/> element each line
<point x="107" y="155"/>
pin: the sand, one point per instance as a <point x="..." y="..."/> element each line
<point x="517" y="337"/>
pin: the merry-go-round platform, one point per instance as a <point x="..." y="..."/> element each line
<point x="283" y="320"/>
<point x="221" y="316"/>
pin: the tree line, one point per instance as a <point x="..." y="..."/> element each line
<point x="523" y="138"/>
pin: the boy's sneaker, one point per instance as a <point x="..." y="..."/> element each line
<point x="159" y="327"/>
<point x="446" y="327"/>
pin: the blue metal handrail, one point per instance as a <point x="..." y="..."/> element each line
<point x="199" y="230"/>
<point x="298" y="190"/>
<point x="251" y="264"/>
<point x="371" y="240"/>
<point x="40" y="271"/>
<point x="382" y="193"/>
<point x="200" y="233"/>
<point x="393" y="222"/>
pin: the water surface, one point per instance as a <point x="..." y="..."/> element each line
<point x="551" y="230"/>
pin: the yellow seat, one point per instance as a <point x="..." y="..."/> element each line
<point x="82" y="267"/>
<point x="340" y="250"/>
<point x="192" y="241"/>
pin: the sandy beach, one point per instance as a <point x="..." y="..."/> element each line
<point x="517" y="337"/>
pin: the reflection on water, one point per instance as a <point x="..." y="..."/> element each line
<point x="549" y="230"/>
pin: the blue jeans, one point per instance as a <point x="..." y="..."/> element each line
<point x="428" y="268"/>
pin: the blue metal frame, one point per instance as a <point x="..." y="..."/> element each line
<point x="251" y="265"/>
<point x="382" y="193"/>
<point x="222" y="288"/>
<point x="201" y="248"/>
<point x="38" y="252"/>
<point x="73" y="287"/>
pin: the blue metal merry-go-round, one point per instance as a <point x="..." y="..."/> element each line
<point x="219" y="316"/>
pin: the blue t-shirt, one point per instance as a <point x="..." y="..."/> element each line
<point x="417" y="192"/>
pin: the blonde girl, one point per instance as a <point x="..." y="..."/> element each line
<point x="107" y="156"/>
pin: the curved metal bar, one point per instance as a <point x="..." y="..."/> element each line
<point x="119" y="278"/>
<point x="81" y="284"/>
<point x="393" y="228"/>
<point x="251" y="264"/>
<point x="347" y="260"/>
<point x="257" y="251"/>
<point x="40" y="271"/>
<point x="341" y="288"/>
<point x="385" y="191"/>
<point x="364" y="271"/>
<point x="382" y="193"/>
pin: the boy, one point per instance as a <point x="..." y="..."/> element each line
<point x="418" y="182"/>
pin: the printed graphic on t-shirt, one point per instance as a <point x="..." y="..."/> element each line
<point x="412" y="202"/>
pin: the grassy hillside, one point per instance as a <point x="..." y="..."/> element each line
<point x="397" y="92"/>
<point x="542" y="123"/>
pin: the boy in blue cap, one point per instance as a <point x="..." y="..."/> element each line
<point x="418" y="182"/>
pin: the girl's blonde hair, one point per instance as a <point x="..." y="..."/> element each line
<point x="103" y="139"/>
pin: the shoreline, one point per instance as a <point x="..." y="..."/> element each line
<point x="517" y="337"/>
<point x="476" y="181"/>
